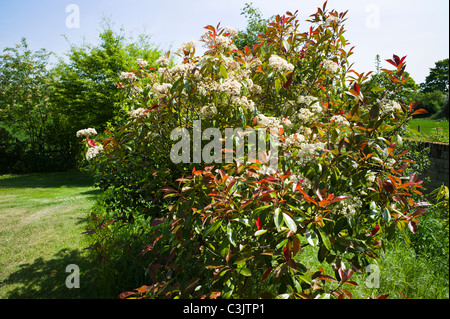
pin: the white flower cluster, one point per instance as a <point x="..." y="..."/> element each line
<point x="389" y="163"/>
<point x="230" y="86"/>
<point x="312" y="102"/>
<point x="244" y="102"/>
<point x="304" y="115"/>
<point x="279" y="64"/>
<point x="86" y="132"/>
<point x="136" y="90"/>
<point x="349" y="206"/>
<point x="339" y="120"/>
<point x="330" y="66"/>
<point x="217" y="41"/>
<point x="130" y="76"/>
<point x="390" y="106"/>
<point x="142" y="62"/>
<point x="206" y="85"/>
<point x="370" y="177"/>
<point x="138" y="113"/>
<point x="308" y="150"/>
<point x="296" y="178"/>
<point x="163" y="61"/>
<point x="332" y="19"/>
<point x="273" y="122"/>
<point x="295" y="139"/>
<point x="94" y="151"/>
<point x="208" y="111"/>
<point x="173" y="73"/>
<point x="162" y="90"/>
<point x="186" y="46"/>
<point x="232" y="32"/>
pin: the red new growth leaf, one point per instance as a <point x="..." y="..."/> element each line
<point x="375" y="230"/>
<point x="266" y="273"/>
<point x="259" y="224"/>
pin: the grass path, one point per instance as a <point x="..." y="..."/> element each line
<point x="42" y="217"/>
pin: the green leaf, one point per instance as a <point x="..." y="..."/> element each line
<point x="325" y="239"/>
<point x="223" y="71"/>
<point x="211" y="228"/>
<point x="386" y="215"/>
<point x="290" y="222"/>
<point x="277" y="85"/>
<point x="278" y="218"/>
<point x="311" y="237"/>
<point x="260" y="232"/>
<point x="245" y="271"/>
<point x="231" y="234"/>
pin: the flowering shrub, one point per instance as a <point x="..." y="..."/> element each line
<point x="237" y="229"/>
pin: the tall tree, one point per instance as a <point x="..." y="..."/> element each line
<point x="256" y="24"/>
<point x="438" y="78"/>
<point x="86" y="92"/>
<point x="24" y="84"/>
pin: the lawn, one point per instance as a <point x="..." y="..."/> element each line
<point x="433" y="130"/>
<point x="42" y="217"/>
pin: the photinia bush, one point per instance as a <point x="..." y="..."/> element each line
<point x="236" y="230"/>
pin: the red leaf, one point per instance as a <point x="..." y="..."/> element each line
<point x="266" y="273"/>
<point x="291" y="263"/>
<point x="345" y="274"/>
<point x="326" y="277"/>
<point x="157" y="221"/>
<point x="419" y="111"/>
<point x="126" y="294"/>
<point x="259" y="224"/>
<point x="214" y="295"/>
<point x="356" y="88"/>
<point x="375" y="230"/>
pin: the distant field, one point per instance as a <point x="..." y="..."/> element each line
<point x="430" y="129"/>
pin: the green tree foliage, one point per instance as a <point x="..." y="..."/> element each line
<point x="438" y="78"/>
<point x="24" y="82"/>
<point x="434" y="102"/>
<point x="33" y="137"/>
<point x="256" y="24"/>
<point x="86" y="92"/>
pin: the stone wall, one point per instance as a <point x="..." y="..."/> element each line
<point x="439" y="165"/>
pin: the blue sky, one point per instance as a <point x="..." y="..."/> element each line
<point x="416" y="28"/>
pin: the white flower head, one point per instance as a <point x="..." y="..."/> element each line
<point x="138" y="113"/>
<point x="279" y="64"/>
<point x="129" y="76"/>
<point x="163" y="61"/>
<point x="94" y="151"/>
<point x="390" y="106"/>
<point x="87" y="132"/>
<point x="339" y="120"/>
<point x="330" y="66"/>
<point x="349" y="206"/>
<point x="186" y="47"/>
<point x="142" y="62"/>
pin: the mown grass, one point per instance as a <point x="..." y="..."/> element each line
<point x="430" y="130"/>
<point x="42" y="217"/>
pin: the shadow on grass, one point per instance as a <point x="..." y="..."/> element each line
<point x="46" y="180"/>
<point x="46" y="279"/>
